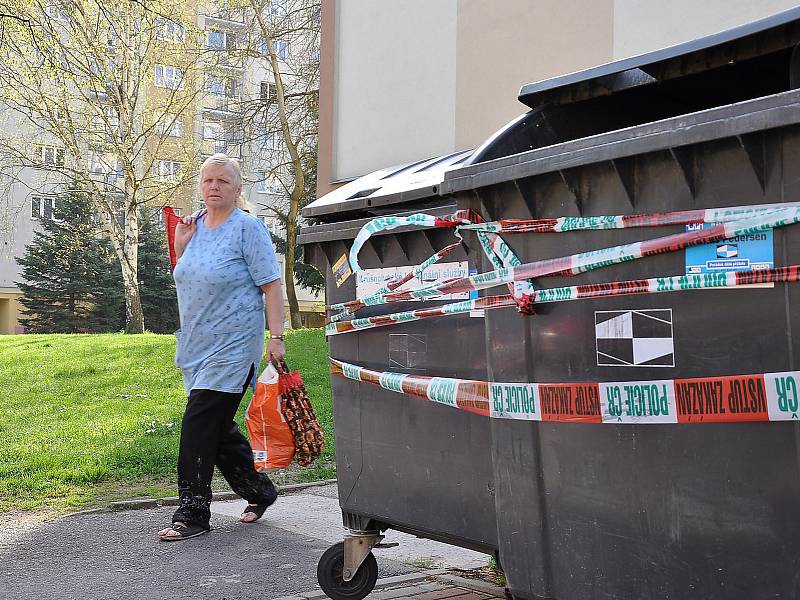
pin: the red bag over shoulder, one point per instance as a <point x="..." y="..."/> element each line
<point x="171" y="221"/>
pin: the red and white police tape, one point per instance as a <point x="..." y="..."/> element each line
<point x="587" y="261"/>
<point x="655" y="285"/>
<point x="725" y="399"/>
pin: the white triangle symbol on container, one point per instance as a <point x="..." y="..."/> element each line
<point x="620" y="327"/>
<point x="645" y="349"/>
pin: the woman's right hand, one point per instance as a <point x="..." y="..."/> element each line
<point x="183" y="233"/>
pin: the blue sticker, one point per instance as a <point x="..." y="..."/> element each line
<point x="749" y="252"/>
<point x="473" y="294"/>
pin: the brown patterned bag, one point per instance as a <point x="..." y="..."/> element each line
<point x="309" y="439"/>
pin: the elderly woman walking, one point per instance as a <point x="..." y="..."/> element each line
<point x="226" y="268"/>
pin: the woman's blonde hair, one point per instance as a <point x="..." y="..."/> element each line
<point x="223" y="160"/>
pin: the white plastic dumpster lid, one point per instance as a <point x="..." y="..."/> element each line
<point x="388" y="186"/>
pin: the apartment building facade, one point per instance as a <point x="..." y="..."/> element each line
<point x="232" y="81"/>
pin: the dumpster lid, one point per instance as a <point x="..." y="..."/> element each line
<point x="394" y="185"/>
<point x="666" y="63"/>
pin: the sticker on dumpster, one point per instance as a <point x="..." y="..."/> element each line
<point x="370" y="281"/>
<point x="747" y="252"/>
<point x="634" y="338"/>
<point x="638" y="402"/>
<point x="783" y="395"/>
<point x="341" y="270"/>
<point x="721" y="399"/>
<point x="515" y="401"/>
<point x="473" y="295"/>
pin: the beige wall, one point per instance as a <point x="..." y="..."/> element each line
<point x="9" y="311"/>
<point x="504" y="45"/>
<point x="641" y="26"/>
<point x="393" y="83"/>
<point x="414" y="78"/>
<point x="411" y="79"/>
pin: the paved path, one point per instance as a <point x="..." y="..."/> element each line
<point x="115" y="555"/>
<point x="315" y="513"/>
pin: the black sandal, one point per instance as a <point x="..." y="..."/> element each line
<point x="254" y="509"/>
<point x="258" y="509"/>
<point x="184" y="531"/>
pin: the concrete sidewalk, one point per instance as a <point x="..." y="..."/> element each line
<point x="105" y="555"/>
<point x="315" y="512"/>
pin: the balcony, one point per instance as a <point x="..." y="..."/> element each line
<point x="231" y="148"/>
<point x="230" y="17"/>
<point x="222" y="107"/>
<point x="222" y="59"/>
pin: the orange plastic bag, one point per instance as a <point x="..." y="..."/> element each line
<point x="270" y="437"/>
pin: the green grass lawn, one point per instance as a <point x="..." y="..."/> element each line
<point x="89" y="418"/>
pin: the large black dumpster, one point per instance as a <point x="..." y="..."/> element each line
<point x="396" y="464"/>
<point x="579" y="511"/>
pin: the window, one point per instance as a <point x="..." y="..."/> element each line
<point x="281" y="48"/>
<point x="270" y="224"/>
<point x="215" y="39"/>
<point x="215" y="85"/>
<point x="105" y="122"/>
<point x="168" y="170"/>
<point x="42" y="207"/>
<point x="168" y="76"/>
<point x="169" y="31"/>
<point x="223" y="86"/>
<point x="270" y="141"/>
<point x="48" y="155"/>
<point x="268" y="184"/>
<point x="269" y="91"/>
<point x="170" y="125"/>
<point x="212" y="131"/>
<point x="105" y="164"/>
<point x="221" y="40"/>
<point x="277" y="8"/>
<point x="56" y="12"/>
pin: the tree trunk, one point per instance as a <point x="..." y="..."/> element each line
<point x="127" y="250"/>
<point x="134" y="317"/>
<point x="299" y="175"/>
<point x="291" y="250"/>
<point x="291" y="295"/>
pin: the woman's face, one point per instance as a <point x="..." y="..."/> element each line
<point x="218" y="187"/>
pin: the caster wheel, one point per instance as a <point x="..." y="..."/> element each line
<point x="331" y="579"/>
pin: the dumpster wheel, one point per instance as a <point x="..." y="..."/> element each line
<point x="330" y="575"/>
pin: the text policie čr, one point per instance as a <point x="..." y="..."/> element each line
<point x="638" y="401"/>
<point x="513" y="399"/>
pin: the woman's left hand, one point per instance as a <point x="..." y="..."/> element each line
<point x="276" y="350"/>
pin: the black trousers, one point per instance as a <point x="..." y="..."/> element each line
<point x="210" y="436"/>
